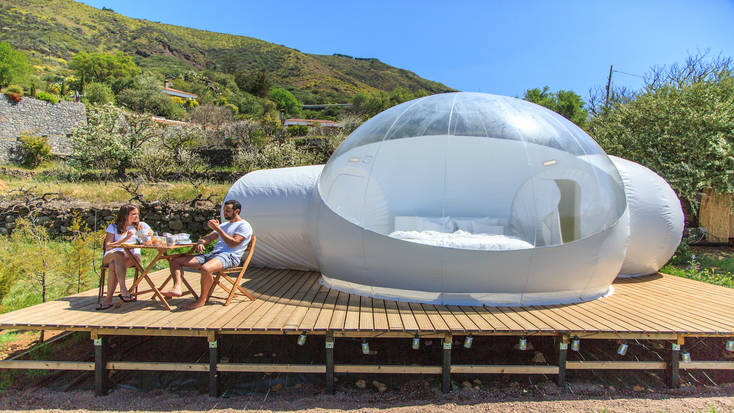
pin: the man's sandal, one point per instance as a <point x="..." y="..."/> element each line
<point x="128" y="299"/>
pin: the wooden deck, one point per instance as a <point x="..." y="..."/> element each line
<point x="294" y="302"/>
<point x="658" y="307"/>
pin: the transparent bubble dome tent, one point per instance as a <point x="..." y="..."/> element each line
<point x="470" y="198"/>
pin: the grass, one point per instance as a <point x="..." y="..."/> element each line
<point x="111" y="191"/>
<point x="713" y="266"/>
<point x="26" y="291"/>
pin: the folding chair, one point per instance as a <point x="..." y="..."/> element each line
<point x="103" y="276"/>
<point x="240" y="271"/>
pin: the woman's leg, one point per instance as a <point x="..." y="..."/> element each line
<point x="111" y="278"/>
<point x="119" y="261"/>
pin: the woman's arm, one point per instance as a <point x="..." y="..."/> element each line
<point x="110" y="237"/>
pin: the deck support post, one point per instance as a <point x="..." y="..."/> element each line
<point x="446" y="371"/>
<point x="214" y="358"/>
<point x="674" y="364"/>
<point x="562" y="355"/>
<point x="329" y="363"/>
<point x="101" y="377"/>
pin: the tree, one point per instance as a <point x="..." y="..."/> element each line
<point x="284" y="100"/>
<point x="102" y="67"/>
<point x="100" y="93"/>
<point x="80" y="259"/>
<point x="13" y="64"/>
<point x="684" y="131"/>
<point x="257" y="85"/>
<point x="564" y="102"/>
<point x="111" y="139"/>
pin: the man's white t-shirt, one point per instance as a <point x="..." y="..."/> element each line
<point x="112" y="229"/>
<point x="240" y="227"/>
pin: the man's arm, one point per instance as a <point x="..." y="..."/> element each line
<point x="231" y="240"/>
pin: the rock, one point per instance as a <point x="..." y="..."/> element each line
<point x="258" y="355"/>
<point x="3" y="231"/>
<point x="466" y="384"/>
<point x="10" y="225"/>
<point x="538" y="357"/>
<point x="361" y="384"/>
<point x="477" y="382"/>
<point x="381" y="387"/>
<point x="277" y="387"/>
<point x="638" y="388"/>
<point x="10" y="218"/>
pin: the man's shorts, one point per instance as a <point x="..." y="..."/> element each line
<point x="227" y="259"/>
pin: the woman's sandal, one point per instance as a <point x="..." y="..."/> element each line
<point x="103" y="307"/>
<point x="128" y="299"/>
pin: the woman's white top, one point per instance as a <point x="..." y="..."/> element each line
<point x="112" y="229"/>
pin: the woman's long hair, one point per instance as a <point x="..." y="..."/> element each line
<point x="121" y="219"/>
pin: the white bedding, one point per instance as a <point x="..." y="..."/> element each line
<point x="464" y="240"/>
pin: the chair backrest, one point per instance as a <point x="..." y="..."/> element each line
<point x="249" y="251"/>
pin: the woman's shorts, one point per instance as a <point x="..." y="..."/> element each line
<point x="227" y="259"/>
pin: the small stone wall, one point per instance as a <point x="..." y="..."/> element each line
<point x="57" y="217"/>
<point x="39" y="118"/>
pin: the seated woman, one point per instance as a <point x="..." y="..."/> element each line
<point x="126" y="225"/>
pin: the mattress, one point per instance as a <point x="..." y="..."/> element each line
<point x="463" y="240"/>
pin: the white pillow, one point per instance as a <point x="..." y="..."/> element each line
<point x="442" y="224"/>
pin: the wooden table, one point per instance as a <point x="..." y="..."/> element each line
<point x="163" y="253"/>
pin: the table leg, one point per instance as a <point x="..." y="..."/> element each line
<point x="144" y="276"/>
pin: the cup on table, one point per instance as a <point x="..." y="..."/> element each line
<point x="170" y="241"/>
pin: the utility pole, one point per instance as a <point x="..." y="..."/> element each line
<point x="609" y="85"/>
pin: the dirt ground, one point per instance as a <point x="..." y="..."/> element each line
<point x="715" y="399"/>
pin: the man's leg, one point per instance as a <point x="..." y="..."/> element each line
<point x="177" y="265"/>
<point x="208" y="269"/>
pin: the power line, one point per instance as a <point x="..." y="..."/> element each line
<point x="629" y="74"/>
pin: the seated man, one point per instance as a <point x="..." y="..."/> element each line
<point x="233" y="239"/>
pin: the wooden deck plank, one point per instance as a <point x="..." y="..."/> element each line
<point x="287" y="290"/>
<point x="452" y="323"/>
<point x="478" y="320"/>
<point x="380" y="315"/>
<point x="339" y="315"/>
<point x="406" y="316"/>
<point x="366" y="316"/>
<point x="285" y="306"/>
<point x="259" y="285"/>
<point x="299" y="313"/>
<point x="493" y="321"/>
<point x="436" y="320"/>
<point x="284" y="282"/>
<point x="318" y="317"/>
<point x="498" y="314"/>
<point x="705" y="310"/>
<point x="466" y="322"/>
<point x="424" y="323"/>
<point x="394" y="322"/>
<point x="517" y="316"/>
<point x="667" y="308"/>
<point x="351" y="322"/>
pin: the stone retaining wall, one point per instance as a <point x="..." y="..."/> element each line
<point x="39" y="118"/>
<point x="57" y="216"/>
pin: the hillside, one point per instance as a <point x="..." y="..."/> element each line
<point x="52" y="31"/>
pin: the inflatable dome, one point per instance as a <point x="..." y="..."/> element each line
<point x="469" y="198"/>
<point x="656" y="219"/>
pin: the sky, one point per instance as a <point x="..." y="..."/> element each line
<point x="492" y="46"/>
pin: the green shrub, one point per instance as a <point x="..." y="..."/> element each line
<point x="99" y="93"/>
<point x="298" y="130"/>
<point x="48" y="97"/>
<point x="33" y="150"/>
